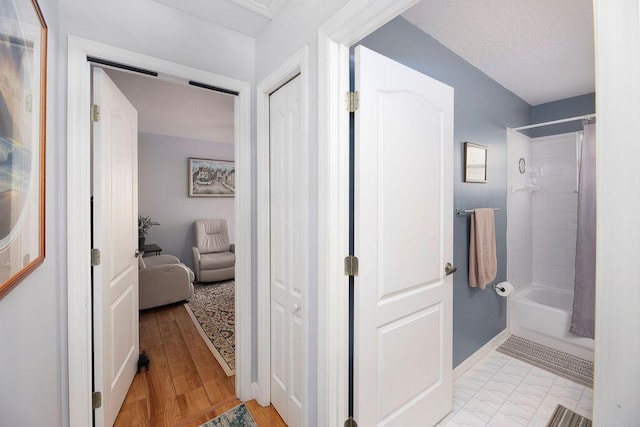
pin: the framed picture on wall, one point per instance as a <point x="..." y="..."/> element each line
<point x="475" y="163"/>
<point x="23" y="77"/>
<point x="211" y="178"/>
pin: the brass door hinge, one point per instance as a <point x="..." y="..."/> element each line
<point x="350" y="423"/>
<point x="95" y="257"/>
<point x="351" y="266"/>
<point x="352" y="101"/>
<point x="96" y="400"/>
<point x="95" y="113"/>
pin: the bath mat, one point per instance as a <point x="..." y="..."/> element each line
<point x="236" y="417"/>
<point x="212" y="310"/>
<point x="563" y="417"/>
<point x="560" y="363"/>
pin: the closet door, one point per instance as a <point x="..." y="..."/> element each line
<point x="288" y="254"/>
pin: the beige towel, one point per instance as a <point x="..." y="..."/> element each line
<point x="483" y="263"/>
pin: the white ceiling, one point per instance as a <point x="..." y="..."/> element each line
<point x="167" y="108"/>
<point x="541" y="50"/>
<point x="244" y="16"/>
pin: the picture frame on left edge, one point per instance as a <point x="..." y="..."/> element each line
<point x="23" y="87"/>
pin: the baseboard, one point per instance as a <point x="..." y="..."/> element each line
<point x="470" y="361"/>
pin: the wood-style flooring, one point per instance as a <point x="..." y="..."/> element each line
<point x="184" y="386"/>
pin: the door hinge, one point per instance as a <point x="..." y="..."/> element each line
<point x="350" y="422"/>
<point x="352" y="101"/>
<point x="95" y="113"/>
<point x="351" y="266"/>
<point x="96" y="400"/>
<point x="95" y="257"/>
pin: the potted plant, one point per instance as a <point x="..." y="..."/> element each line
<point x="144" y="224"/>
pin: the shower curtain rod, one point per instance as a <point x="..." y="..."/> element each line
<point x="555" y="122"/>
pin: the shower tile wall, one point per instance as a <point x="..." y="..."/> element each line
<point x="554" y="217"/>
<point x="519" y="208"/>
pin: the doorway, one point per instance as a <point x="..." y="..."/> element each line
<point x="78" y="193"/>
<point x="179" y="126"/>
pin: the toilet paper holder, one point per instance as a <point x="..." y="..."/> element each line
<point x="497" y="286"/>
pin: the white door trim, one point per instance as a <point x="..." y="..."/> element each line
<point x="352" y="23"/>
<point x="79" y="221"/>
<point x="617" y="346"/>
<point x="296" y="64"/>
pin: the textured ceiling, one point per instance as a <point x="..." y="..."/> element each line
<point x="167" y="108"/>
<point x="541" y="50"/>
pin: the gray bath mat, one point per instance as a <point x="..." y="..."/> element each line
<point x="563" y="417"/>
<point x="558" y="362"/>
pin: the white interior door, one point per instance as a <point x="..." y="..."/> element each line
<point x="287" y="251"/>
<point x="403" y="238"/>
<point x="115" y="205"/>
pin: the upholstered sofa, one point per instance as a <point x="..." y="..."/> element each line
<point x="163" y="280"/>
<point x="214" y="258"/>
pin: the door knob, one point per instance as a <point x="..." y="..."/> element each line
<point x="449" y="269"/>
<point x="137" y="253"/>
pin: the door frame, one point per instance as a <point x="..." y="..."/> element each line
<point x="78" y="194"/>
<point x="354" y="21"/>
<point x="297" y="64"/>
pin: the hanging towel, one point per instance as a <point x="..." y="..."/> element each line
<point x="483" y="263"/>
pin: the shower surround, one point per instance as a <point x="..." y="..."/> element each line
<point x="541" y="239"/>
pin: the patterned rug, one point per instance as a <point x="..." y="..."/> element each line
<point x="560" y="363"/>
<point x="236" y="417"/>
<point x="563" y="417"/>
<point x="213" y="311"/>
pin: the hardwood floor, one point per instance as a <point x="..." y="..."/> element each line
<point x="184" y="386"/>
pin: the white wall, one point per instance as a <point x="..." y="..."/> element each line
<point x="163" y="192"/>
<point x="519" y="212"/>
<point x="149" y="27"/>
<point x="32" y="356"/>
<point x="554" y="210"/>
<point x="33" y="317"/>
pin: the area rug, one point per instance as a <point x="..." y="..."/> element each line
<point x="563" y="417"/>
<point x="236" y="417"/>
<point x="560" y="363"/>
<point x="213" y="310"/>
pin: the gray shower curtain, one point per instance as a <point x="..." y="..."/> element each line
<point x="583" y="318"/>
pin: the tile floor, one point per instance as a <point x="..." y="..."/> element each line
<point x="503" y="391"/>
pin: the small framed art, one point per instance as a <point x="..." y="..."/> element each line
<point x="211" y="178"/>
<point x="475" y="163"/>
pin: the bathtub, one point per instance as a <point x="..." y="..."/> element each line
<point x="543" y="314"/>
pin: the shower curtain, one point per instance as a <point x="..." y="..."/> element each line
<point x="583" y="317"/>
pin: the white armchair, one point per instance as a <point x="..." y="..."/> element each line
<point x="214" y="258"/>
<point x="163" y="280"/>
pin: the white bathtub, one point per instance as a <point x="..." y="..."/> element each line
<point x="543" y="314"/>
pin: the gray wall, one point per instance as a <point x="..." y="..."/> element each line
<point x="163" y="192"/>
<point x="483" y="111"/>
<point x="562" y="109"/>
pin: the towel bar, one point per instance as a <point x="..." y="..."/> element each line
<point x="469" y="211"/>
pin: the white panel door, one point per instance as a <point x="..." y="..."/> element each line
<point x="115" y="225"/>
<point x="403" y="238"/>
<point x="287" y="251"/>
